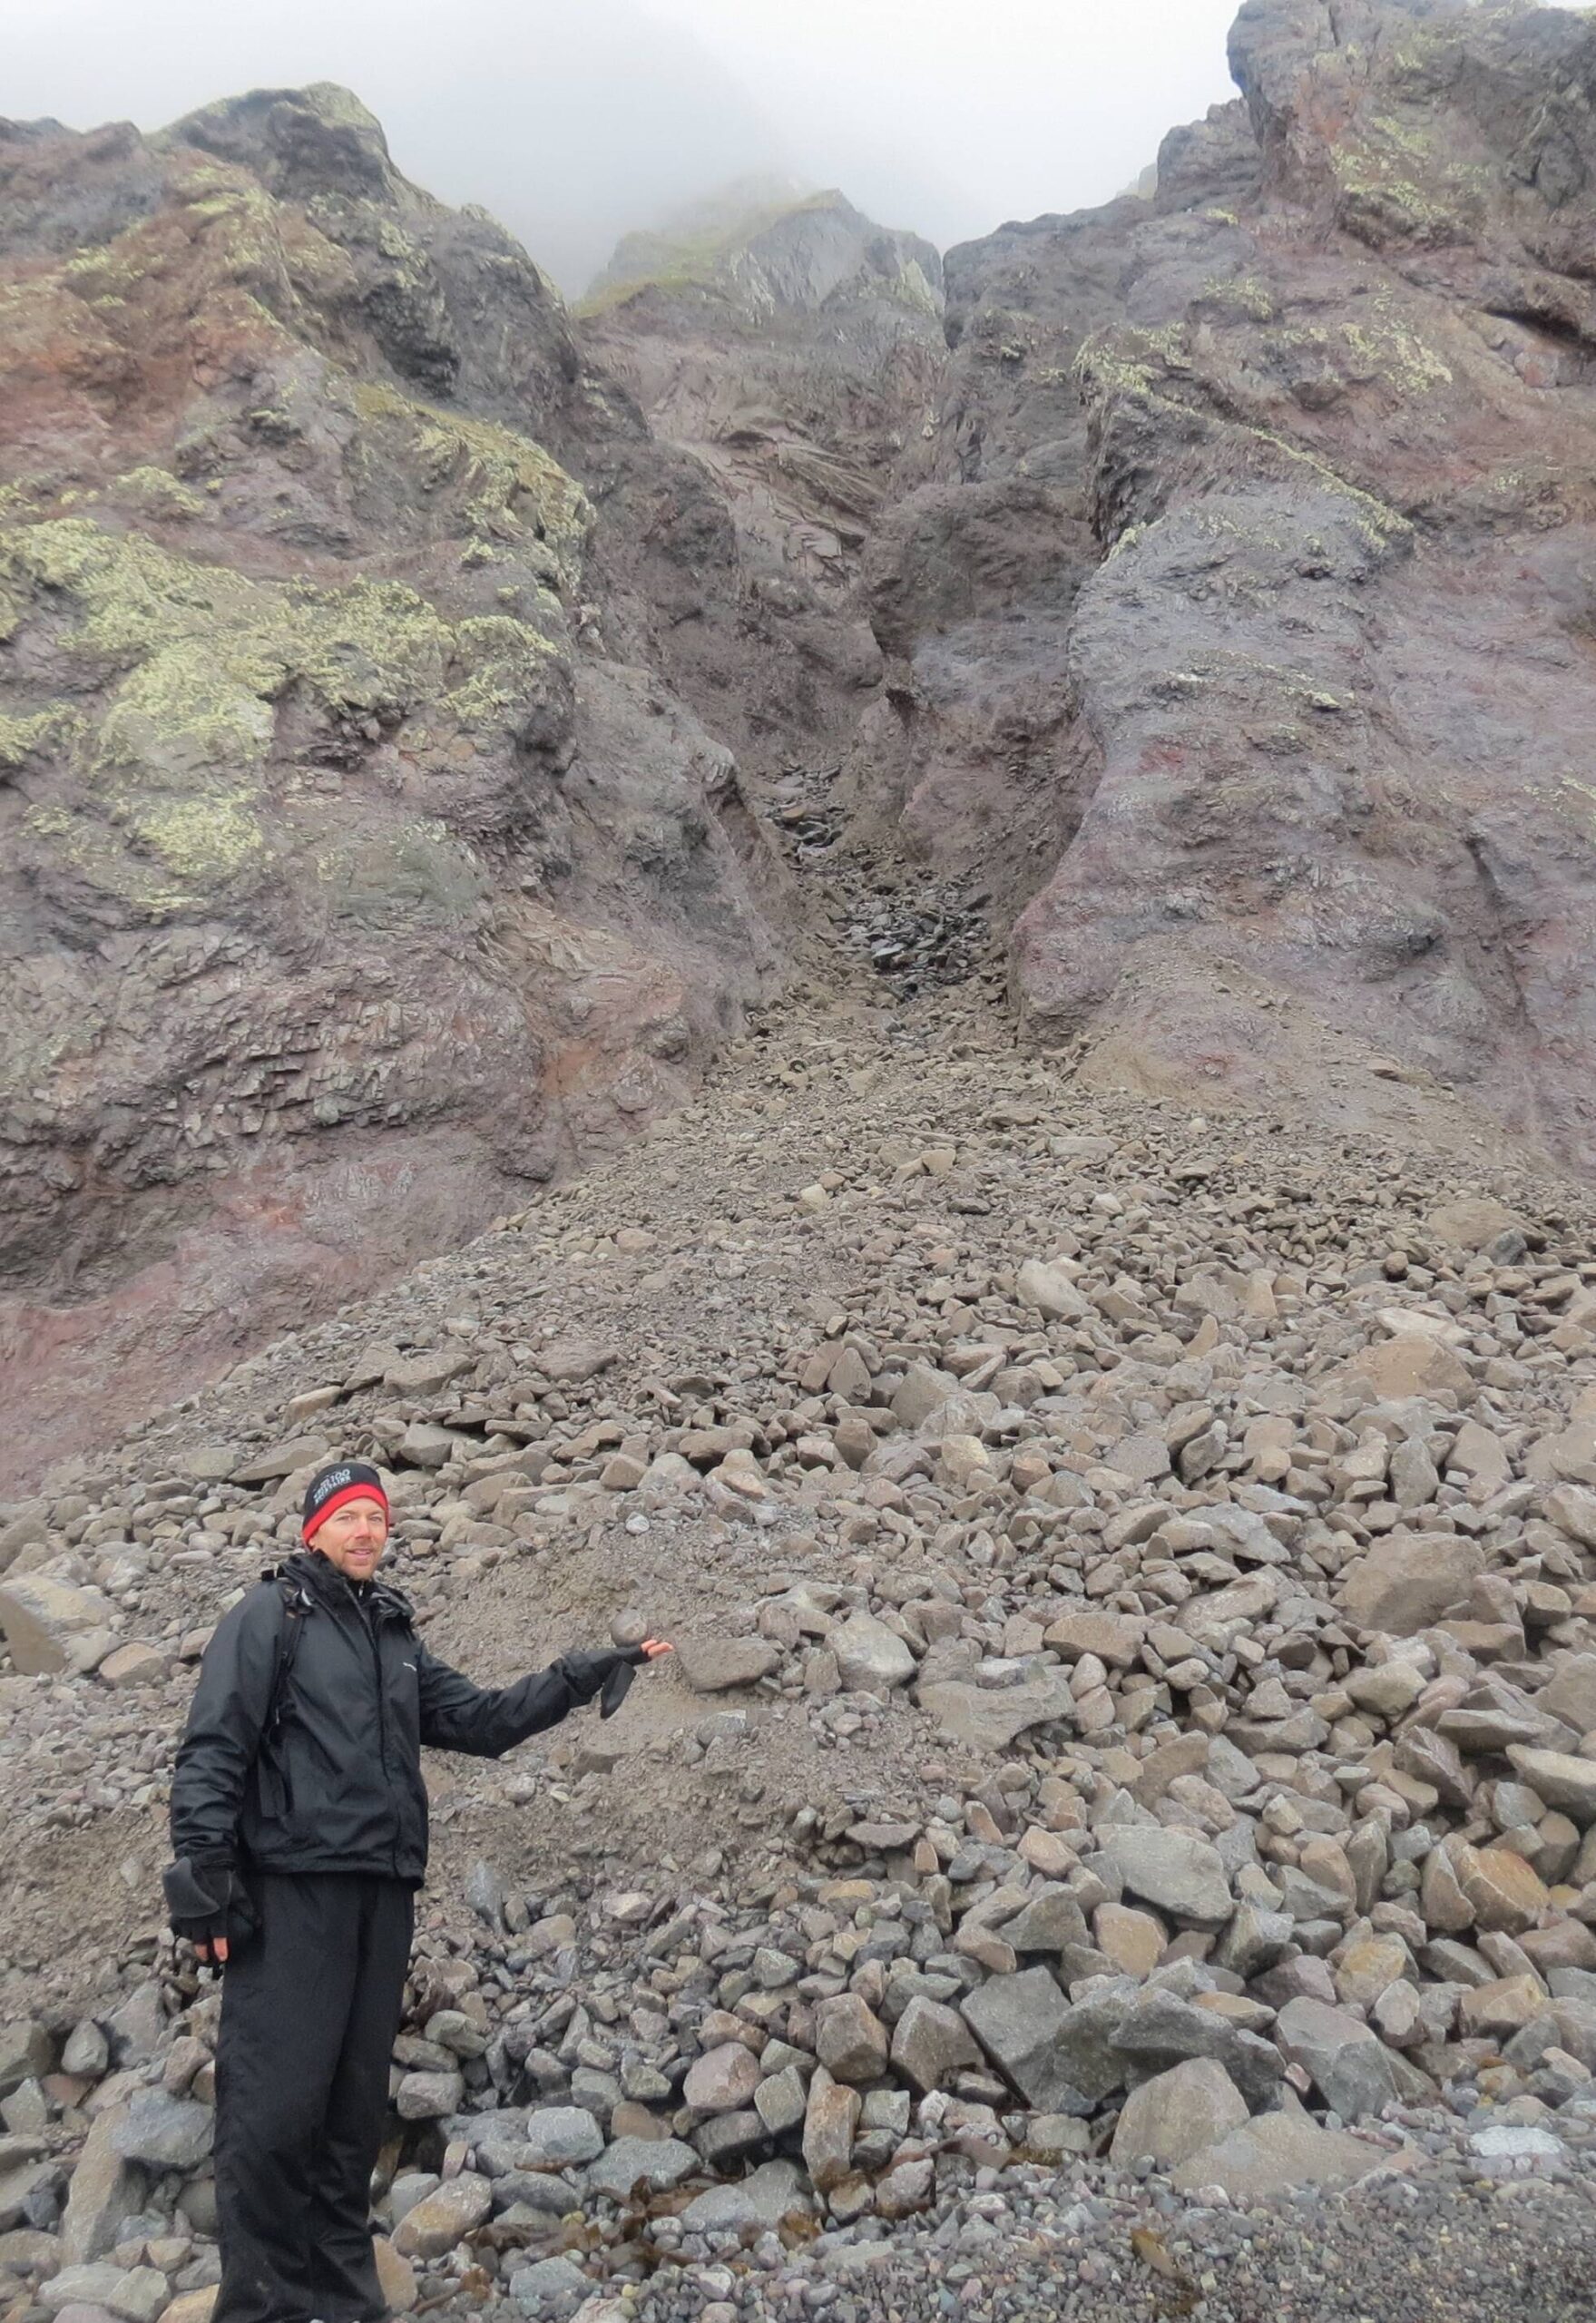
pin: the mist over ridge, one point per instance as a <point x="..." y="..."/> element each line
<point x="576" y="130"/>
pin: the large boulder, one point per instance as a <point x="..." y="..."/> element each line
<point x="1018" y="2019"/>
<point x="50" y="1626"/>
<point x="1273" y="2152"/>
<point x="1344" y="2057"/>
<point x="1409" y="1580"/>
<point x="1177" y="2113"/>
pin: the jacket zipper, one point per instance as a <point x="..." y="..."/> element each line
<point x="382" y="1730"/>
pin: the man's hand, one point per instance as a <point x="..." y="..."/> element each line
<point x="628" y="1658"/>
<point x="197" y="1901"/>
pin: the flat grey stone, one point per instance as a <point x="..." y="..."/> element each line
<point x="1351" y="2067"/>
<point x="558" y="2138"/>
<point x="1173" y="1870"/>
<point x="758" y="2202"/>
<point x="1179" y="2113"/>
<point x="552" y="2287"/>
<point x="986" y="1718"/>
<point x="655" y="2162"/>
<point x="164" y="2133"/>
<point x="1275" y="2151"/>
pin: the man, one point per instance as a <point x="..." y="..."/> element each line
<point x="298" y="1823"/>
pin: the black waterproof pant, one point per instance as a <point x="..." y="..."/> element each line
<point x="310" y="2004"/>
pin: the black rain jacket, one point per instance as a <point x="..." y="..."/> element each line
<point x="304" y="1754"/>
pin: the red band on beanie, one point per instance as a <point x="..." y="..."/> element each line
<point x="338" y="1500"/>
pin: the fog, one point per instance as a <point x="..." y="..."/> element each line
<point x="575" y="121"/>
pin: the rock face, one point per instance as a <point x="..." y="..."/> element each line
<point x="1204" y="579"/>
<point x="1237" y="610"/>
<point x="792" y="348"/>
<point x="358" y="867"/>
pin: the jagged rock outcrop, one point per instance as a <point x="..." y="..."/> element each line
<point x="359" y="866"/>
<point x="791" y="348"/>
<point x="1239" y="611"/>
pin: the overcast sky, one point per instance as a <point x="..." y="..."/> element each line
<point x="573" y="120"/>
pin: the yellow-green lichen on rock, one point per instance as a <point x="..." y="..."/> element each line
<point x="507" y="487"/>
<point x="156" y="492"/>
<point x="36" y="736"/>
<point x="171" y="790"/>
<point x="911" y="288"/>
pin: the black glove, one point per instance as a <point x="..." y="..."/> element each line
<point x="197" y="1900"/>
<point x="606" y="1673"/>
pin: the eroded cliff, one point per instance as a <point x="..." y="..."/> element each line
<point x="360" y="868"/>
<point x="1240" y="605"/>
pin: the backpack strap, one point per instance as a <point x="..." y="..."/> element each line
<point x="297" y="1601"/>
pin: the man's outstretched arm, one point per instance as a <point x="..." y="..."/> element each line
<point x="487" y="1720"/>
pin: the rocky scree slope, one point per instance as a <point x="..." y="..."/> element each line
<point x="1133" y="1757"/>
<point x="1238" y="608"/>
<point x="358" y="865"/>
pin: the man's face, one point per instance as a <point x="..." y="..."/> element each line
<point x="354" y="1538"/>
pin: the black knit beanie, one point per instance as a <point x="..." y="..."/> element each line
<point x="331" y="1487"/>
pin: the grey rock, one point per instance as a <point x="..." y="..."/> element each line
<point x="137" y="2030"/>
<point x="1160" y="2029"/>
<point x="870" y="1658"/>
<point x="49" y="1626"/>
<point x="1351" y="2067"/>
<point x="713" y="1665"/>
<point x="1563" y="1781"/>
<point x="485" y="1892"/>
<point x="26" y="2051"/>
<point x="656" y="2163"/>
<point x="1570" y="1693"/>
<point x="1050" y="1919"/>
<point x="1253" y="1940"/>
<point x="412" y="2186"/>
<point x="27" y="2191"/>
<point x="132" y="2294"/>
<point x="82" y="2286"/>
<point x="993" y="1719"/>
<point x="930" y="2043"/>
<point x="1409" y="1580"/>
<point x="440" y="2220"/>
<point x="164" y="2133"/>
<point x="558" y="2137"/>
<point x="87" y="2052"/>
<point x="1179" y="2113"/>
<point x="829" y="2122"/>
<point x="279" y="1460"/>
<point x="726" y="2138"/>
<point x="780" y="2098"/>
<point x="1274" y="2151"/>
<point x="757" y="2203"/>
<point x="429" y="2096"/>
<point x="1174" y="1871"/>
<point x="106" y="2191"/>
<point x="850" y="2040"/>
<point x="1018" y="2019"/>
<point x="554" y="2288"/>
<point x="722" y="2080"/>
